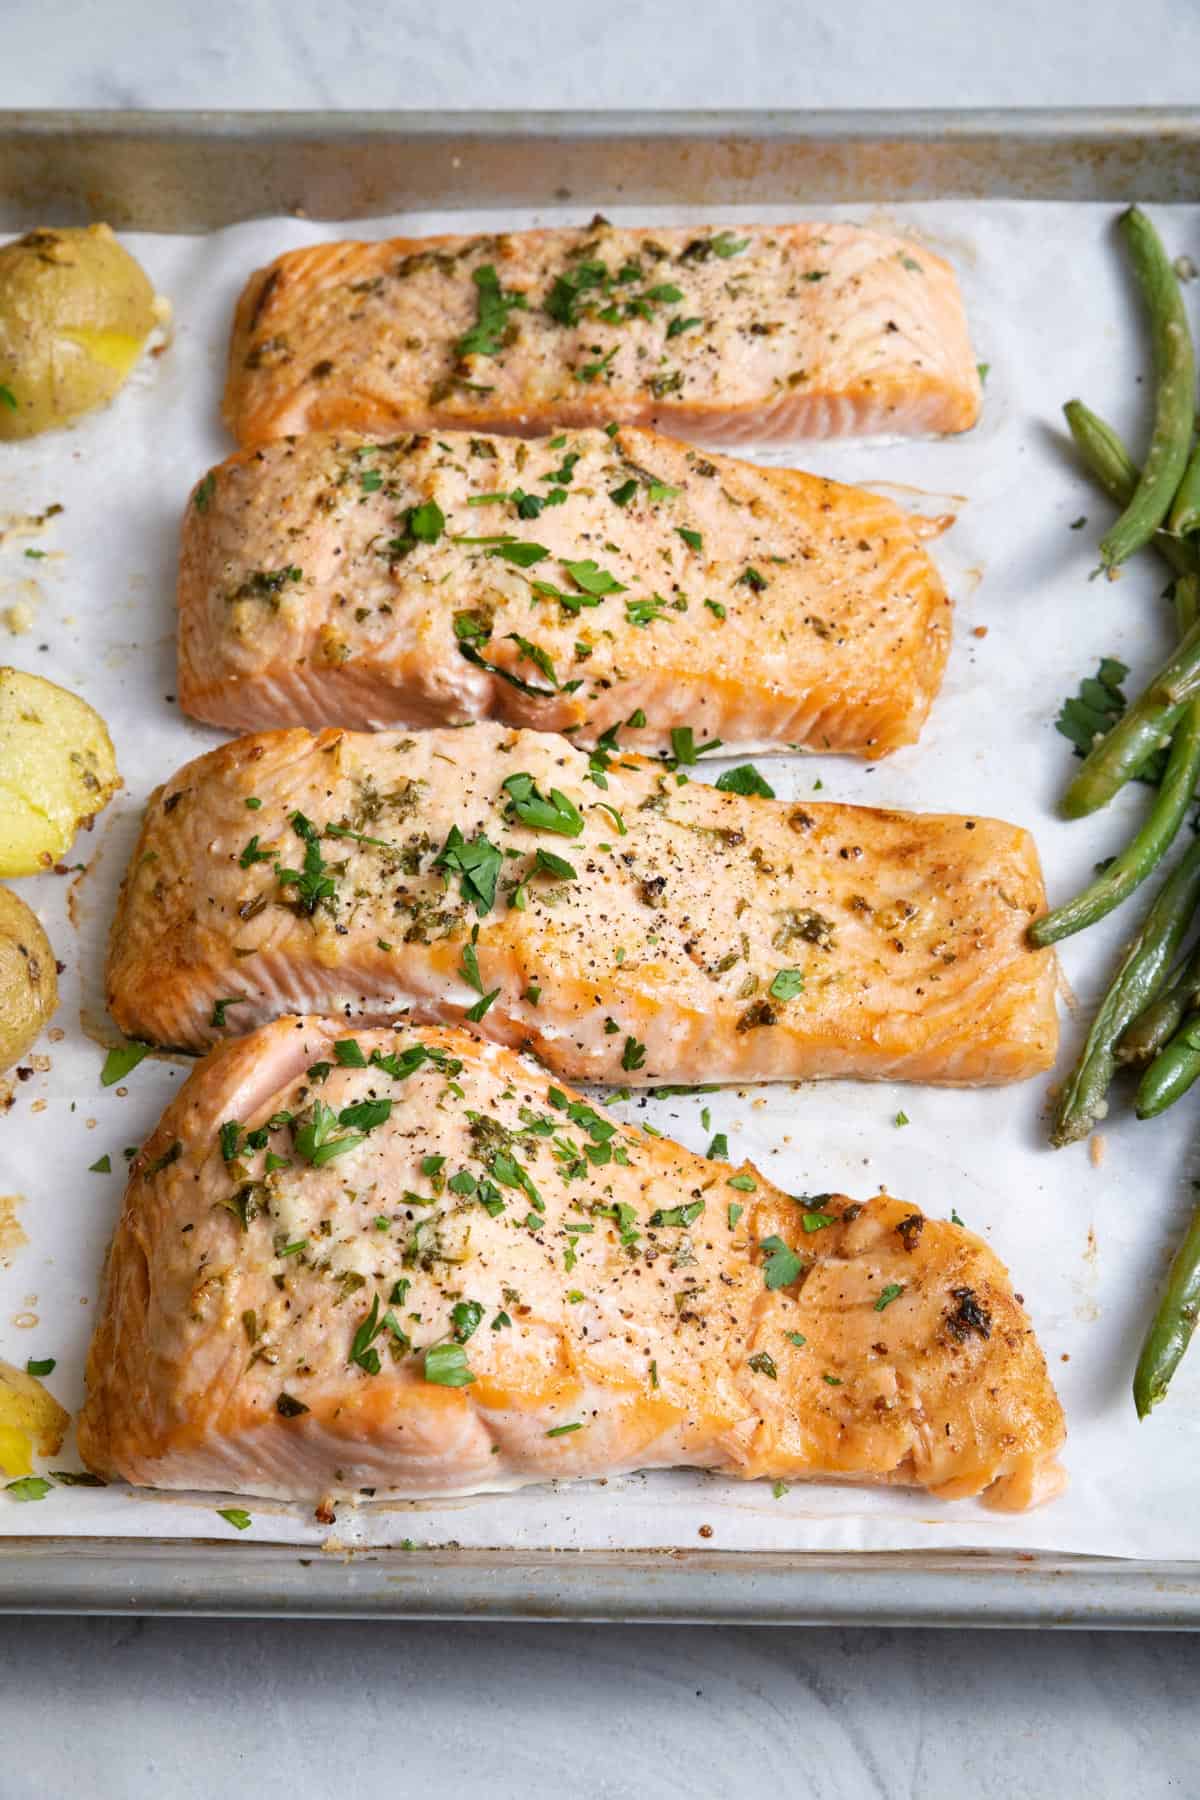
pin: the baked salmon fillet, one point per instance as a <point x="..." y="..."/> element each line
<point x="622" y="922"/>
<point x="404" y="1263"/>
<point x="566" y="584"/>
<point x="761" y="333"/>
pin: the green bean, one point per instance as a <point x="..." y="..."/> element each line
<point x="1143" y="853"/>
<point x="1171" y="1073"/>
<point x="1184" y="515"/>
<point x="1175" y="382"/>
<point x="1143" y="969"/>
<point x="1106" y="458"/>
<point x="1157" y="1025"/>
<point x="1144" y="728"/>
<point x="1172" y="1325"/>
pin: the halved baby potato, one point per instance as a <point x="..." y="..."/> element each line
<point x="30" y="1419"/>
<point x="75" y="313"/>
<point x="57" y="769"/>
<point x="28" y="979"/>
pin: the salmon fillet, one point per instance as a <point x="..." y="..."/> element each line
<point x="405" y="1264"/>
<point x="565" y="584"/>
<point x="623" y="926"/>
<point x="766" y="332"/>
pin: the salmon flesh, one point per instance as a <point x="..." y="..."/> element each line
<point x="405" y="1263"/>
<point x="762" y="333"/>
<point x="569" y="584"/>
<point x="626" y="924"/>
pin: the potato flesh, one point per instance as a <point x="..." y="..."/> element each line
<point x="75" y="311"/>
<point x="57" y="768"/>
<point x="30" y="1419"/>
<point x="28" y="979"/>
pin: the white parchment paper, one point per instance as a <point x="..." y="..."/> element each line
<point x="1053" y="316"/>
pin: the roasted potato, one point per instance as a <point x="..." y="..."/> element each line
<point x="75" y="312"/>
<point x="30" y="1419"/>
<point x="28" y="979"/>
<point x="57" y="769"/>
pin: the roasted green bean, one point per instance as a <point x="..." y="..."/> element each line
<point x="1172" y="1326"/>
<point x="1083" y="1099"/>
<point x="1107" y="460"/>
<point x="1147" y="726"/>
<point x="1157" y="1024"/>
<point x="1175" y="385"/>
<point x="1172" y="1072"/>
<point x="1143" y="853"/>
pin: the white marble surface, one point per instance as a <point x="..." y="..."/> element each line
<point x="122" y="1708"/>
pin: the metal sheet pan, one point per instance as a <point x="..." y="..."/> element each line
<point x="170" y="172"/>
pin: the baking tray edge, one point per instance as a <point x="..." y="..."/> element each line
<point x="193" y="171"/>
<point x="681" y="1587"/>
<point x="189" y="171"/>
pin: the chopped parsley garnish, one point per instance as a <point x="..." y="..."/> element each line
<point x="365" y="1115"/>
<point x="644" y="612"/>
<point x="1093" y="711"/>
<point x="621" y="496"/>
<point x="752" y="579"/>
<point x="734" y="1213"/>
<point x="486" y="336"/>
<point x="592" y="579"/>
<point x="745" y="1184"/>
<point x="477" y="864"/>
<point x="312" y="883"/>
<point x="252" y="854"/>
<point x="691" y="538"/>
<point x="562" y="302"/>
<point x="121" y="1062"/>
<point x="902" y="1118"/>
<point x="349" y="1053"/>
<point x="762" y="1364"/>
<point x="678" y="1215"/>
<point x="715" y="608"/>
<point x="783" y="1266"/>
<point x="219" y="1008"/>
<point x="817" y="1221"/>
<point x="787" y="984"/>
<point x="8" y="398"/>
<point x="39" y="1368"/>
<point x="230" y="1139"/>
<point x="30" y="1487"/>
<point x="546" y="863"/>
<point x="522" y="554"/>
<point x="466" y="1317"/>
<point x="319" y="1141"/>
<point x="891" y="1292"/>
<point x="633" y="1055"/>
<point x="102" y="1166"/>
<point x="446" y="1366"/>
<point x="745" y="780"/>
<point x="423" y="524"/>
<point x="362" y="1349"/>
<point x="685" y="750"/>
<point x="678" y="325"/>
<point x="237" y="1516"/>
<point x="718" y="1150"/>
<point x="204" y="492"/>
<point x="533" y="808"/>
<point x="563" y="1430"/>
<point x="593" y="370"/>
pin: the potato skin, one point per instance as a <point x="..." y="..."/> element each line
<point x="28" y="979"/>
<point x="75" y="311"/>
<point x="57" y="769"/>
